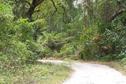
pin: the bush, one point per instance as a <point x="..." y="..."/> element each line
<point x="14" y="51"/>
<point x="89" y="48"/>
<point x="44" y="41"/>
<point x="114" y="39"/>
<point x="89" y="51"/>
<point x="14" y="55"/>
<point x="123" y="61"/>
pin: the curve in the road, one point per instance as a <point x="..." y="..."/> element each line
<point x="86" y="73"/>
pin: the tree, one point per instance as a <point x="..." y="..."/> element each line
<point x="25" y="9"/>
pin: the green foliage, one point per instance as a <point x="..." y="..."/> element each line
<point x="6" y="28"/>
<point x="68" y="50"/>
<point x="123" y="61"/>
<point x="95" y="34"/>
<point x="89" y="49"/>
<point x="35" y="73"/>
<point x="16" y="54"/>
<point x="122" y="55"/>
<point x="44" y="40"/>
<point x="24" y="30"/>
<point x="5" y="9"/>
<point x="58" y="29"/>
<point x="115" y="36"/>
<point x="13" y="51"/>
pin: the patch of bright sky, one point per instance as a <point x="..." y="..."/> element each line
<point x="79" y="2"/>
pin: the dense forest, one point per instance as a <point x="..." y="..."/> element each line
<point x="72" y="29"/>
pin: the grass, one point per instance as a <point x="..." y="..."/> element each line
<point x="36" y="74"/>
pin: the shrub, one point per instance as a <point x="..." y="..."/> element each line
<point x="123" y="61"/>
<point x="14" y="54"/>
<point x="89" y="48"/>
<point x="89" y="51"/>
<point x="114" y="36"/>
<point x="13" y="50"/>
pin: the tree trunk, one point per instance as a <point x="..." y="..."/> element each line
<point x="31" y="10"/>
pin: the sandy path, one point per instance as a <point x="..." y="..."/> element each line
<point x="86" y="73"/>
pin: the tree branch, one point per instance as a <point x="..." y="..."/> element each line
<point x="31" y="10"/>
<point x="116" y="14"/>
<point x="28" y="3"/>
<point x="121" y="8"/>
<point x="54" y="7"/>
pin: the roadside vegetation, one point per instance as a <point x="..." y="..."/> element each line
<point x="35" y="74"/>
